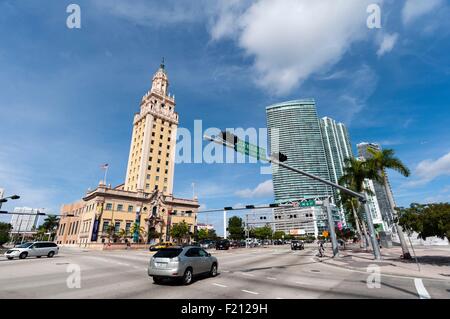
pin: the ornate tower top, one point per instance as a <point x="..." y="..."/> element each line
<point x="160" y="83"/>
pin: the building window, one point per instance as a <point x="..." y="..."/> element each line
<point x="147" y="186"/>
<point x="161" y="137"/>
<point x="165" y="180"/>
<point x="117" y="227"/>
<point x="148" y="176"/>
<point x="165" y="189"/>
<point x="153" y="142"/>
<point x="108" y="206"/>
<point x="153" y="133"/>
<point x="160" y="144"/>
<point x="166" y="171"/>
<point x="127" y="227"/>
<point x="130" y="208"/>
<point x="105" y="225"/>
<point x="159" y="161"/>
<point x="157" y="169"/>
<point x="156" y="187"/>
<point x="149" y="168"/>
<point x="157" y="178"/>
<point x="120" y="207"/>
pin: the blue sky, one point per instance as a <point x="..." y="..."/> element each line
<point x="68" y="96"/>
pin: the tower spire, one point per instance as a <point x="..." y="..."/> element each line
<point x="162" y="66"/>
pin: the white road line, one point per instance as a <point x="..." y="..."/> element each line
<point x="225" y="271"/>
<point x="219" y="285"/>
<point x="423" y="293"/>
<point x="271" y="278"/>
<point x="250" y="292"/>
<point x="278" y="298"/>
<point x="245" y="274"/>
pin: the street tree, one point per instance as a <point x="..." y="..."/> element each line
<point x="426" y="220"/>
<point x="180" y="231"/>
<point x="236" y="228"/>
<point x="135" y="228"/>
<point x="263" y="232"/>
<point x="355" y="172"/>
<point x="278" y="235"/>
<point x="379" y="163"/>
<point x="4" y="233"/>
<point x="50" y="224"/>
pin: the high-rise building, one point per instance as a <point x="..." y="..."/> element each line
<point x="25" y="219"/>
<point x="336" y="141"/>
<point x="294" y="130"/>
<point x="110" y="214"/>
<point x="380" y="195"/>
<point x="152" y="152"/>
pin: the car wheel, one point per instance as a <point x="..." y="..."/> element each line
<point x="213" y="272"/>
<point x="187" y="277"/>
<point x="38" y="256"/>
<point x="10" y="258"/>
<point x="157" y="280"/>
<point x="51" y="254"/>
<point x="23" y="255"/>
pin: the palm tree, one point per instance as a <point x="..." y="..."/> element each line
<point x="355" y="172"/>
<point x="379" y="162"/>
<point x="135" y="228"/>
<point x="51" y="224"/>
<point x="123" y="234"/>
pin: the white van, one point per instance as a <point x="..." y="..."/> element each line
<point x="35" y="249"/>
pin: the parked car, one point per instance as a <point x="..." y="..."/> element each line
<point x="206" y="244"/>
<point x="278" y="242"/>
<point x="159" y="246"/>
<point x="33" y="249"/>
<point x="223" y="244"/>
<point x="297" y="244"/>
<point x="182" y="264"/>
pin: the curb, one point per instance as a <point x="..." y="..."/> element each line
<point x="385" y="273"/>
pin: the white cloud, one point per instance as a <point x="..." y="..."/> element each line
<point x="290" y="40"/>
<point x="387" y="44"/>
<point x="414" y="9"/>
<point x="264" y="189"/>
<point x="429" y="169"/>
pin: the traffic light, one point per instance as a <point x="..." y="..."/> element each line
<point x="229" y="137"/>
<point x="280" y="157"/>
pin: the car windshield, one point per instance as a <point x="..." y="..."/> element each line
<point x="26" y="245"/>
<point x="168" y="253"/>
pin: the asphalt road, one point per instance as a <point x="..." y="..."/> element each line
<point x="272" y="272"/>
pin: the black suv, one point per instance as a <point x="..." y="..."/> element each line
<point x="223" y="244"/>
<point x="297" y="244"/>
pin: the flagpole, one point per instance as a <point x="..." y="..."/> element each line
<point x="106" y="172"/>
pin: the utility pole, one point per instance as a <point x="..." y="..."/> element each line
<point x="334" y="242"/>
<point x="224" y="224"/>
<point x="231" y="141"/>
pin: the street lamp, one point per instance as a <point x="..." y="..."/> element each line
<point x="5" y="199"/>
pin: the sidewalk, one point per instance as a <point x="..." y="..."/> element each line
<point x="434" y="261"/>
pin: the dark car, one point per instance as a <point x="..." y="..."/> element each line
<point x="223" y="244"/>
<point x="278" y="242"/>
<point x="297" y="245"/>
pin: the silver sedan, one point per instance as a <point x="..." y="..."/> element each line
<point x="182" y="263"/>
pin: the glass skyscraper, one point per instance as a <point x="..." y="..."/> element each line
<point x="294" y="130"/>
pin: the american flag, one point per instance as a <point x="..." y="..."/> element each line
<point x="104" y="166"/>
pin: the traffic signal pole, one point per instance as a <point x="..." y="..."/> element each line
<point x="361" y="197"/>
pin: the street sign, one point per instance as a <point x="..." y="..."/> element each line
<point x="308" y="203"/>
<point x="252" y="150"/>
<point x="325" y="233"/>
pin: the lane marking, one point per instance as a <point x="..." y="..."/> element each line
<point x="250" y="292"/>
<point x="245" y="274"/>
<point x="278" y="298"/>
<point x="219" y="285"/>
<point x="225" y="270"/>
<point x="271" y="278"/>
<point x="423" y="293"/>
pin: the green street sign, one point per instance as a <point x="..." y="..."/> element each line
<point x="308" y="203"/>
<point x="246" y="148"/>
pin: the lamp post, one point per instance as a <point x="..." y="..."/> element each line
<point x="5" y="199"/>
